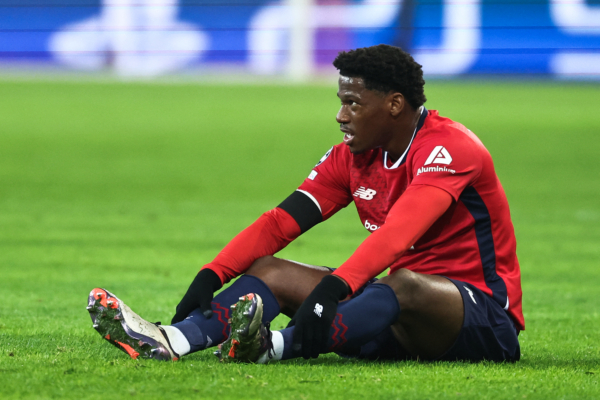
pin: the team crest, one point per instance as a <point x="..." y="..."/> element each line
<point x="324" y="157"/>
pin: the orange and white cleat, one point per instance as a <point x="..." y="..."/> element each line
<point x="126" y="330"/>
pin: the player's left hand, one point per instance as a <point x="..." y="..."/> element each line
<point x="313" y="319"/>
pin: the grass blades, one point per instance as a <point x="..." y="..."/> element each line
<point x="133" y="187"/>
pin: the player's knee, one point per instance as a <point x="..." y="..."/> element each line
<point x="262" y="267"/>
<point x="271" y="270"/>
<point x="408" y="287"/>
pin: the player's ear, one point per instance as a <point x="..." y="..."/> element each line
<point x="397" y="103"/>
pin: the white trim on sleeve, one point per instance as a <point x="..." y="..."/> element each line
<point x="310" y="196"/>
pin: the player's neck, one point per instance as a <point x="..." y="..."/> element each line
<point x="404" y="131"/>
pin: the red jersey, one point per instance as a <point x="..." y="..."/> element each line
<point x="473" y="241"/>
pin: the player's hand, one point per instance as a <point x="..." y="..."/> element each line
<point x="199" y="295"/>
<point x="313" y="319"/>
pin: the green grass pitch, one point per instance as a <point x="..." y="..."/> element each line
<point x="133" y="187"/>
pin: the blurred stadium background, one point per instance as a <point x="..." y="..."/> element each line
<point x="112" y="176"/>
<point x="300" y="38"/>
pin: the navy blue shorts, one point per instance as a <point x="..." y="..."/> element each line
<point x="488" y="333"/>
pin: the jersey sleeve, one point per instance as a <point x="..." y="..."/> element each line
<point x="270" y="233"/>
<point x="400" y="231"/>
<point x="330" y="178"/>
<point x="448" y="162"/>
<point x="320" y="196"/>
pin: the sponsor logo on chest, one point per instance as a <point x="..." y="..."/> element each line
<point x="371" y="227"/>
<point x="365" y="194"/>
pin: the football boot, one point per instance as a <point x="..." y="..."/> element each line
<point x="250" y="339"/>
<point x="126" y="330"/>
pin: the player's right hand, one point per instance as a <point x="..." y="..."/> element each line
<point x="199" y="295"/>
<point x="315" y="315"/>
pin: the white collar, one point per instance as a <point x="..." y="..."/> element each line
<point x="399" y="161"/>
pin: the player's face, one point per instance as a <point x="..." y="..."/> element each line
<point x="363" y="116"/>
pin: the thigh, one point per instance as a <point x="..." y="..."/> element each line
<point x="488" y="333"/>
<point x="431" y="315"/>
<point x="291" y="282"/>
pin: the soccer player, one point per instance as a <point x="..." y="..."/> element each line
<point x="424" y="187"/>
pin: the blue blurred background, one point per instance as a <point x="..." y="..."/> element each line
<point x="555" y="38"/>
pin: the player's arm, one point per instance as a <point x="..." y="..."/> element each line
<point x="410" y="217"/>
<point x="273" y="231"/>
<point x="270" y="233"/>
<point x="424" y="201"/>
<point x="321" y="195"/>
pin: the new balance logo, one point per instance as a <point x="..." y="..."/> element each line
<point x="439" y="155"/>
<point x="470" y="294"/>
<point x="318" y="309"/>
<point x="365" y="194"/>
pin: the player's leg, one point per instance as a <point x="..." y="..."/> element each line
<point x="438" y="319"/>
<point x="282" y="286"/>
<point x="450" y="320"/>
<point x="416" y="315"/>
<point x="425" y="313"/>
<point x="357" y="322"/>
<point x="290" y="282"/>
<point x="432" y="313"/>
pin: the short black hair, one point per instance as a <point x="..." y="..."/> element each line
<point x="385" y="69"/>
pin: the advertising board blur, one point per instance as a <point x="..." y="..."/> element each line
<point x="155" y="37"/>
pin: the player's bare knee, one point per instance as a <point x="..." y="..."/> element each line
<point x="262" y="267"/>
<point x="408" y="287"/>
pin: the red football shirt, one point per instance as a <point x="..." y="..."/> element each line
<point x="473" y="241"/>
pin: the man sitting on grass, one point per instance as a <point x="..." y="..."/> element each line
<point x="424" y="187"/>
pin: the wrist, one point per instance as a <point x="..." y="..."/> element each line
<point x="334" y="286"/>
<point x="210" y="277"/>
